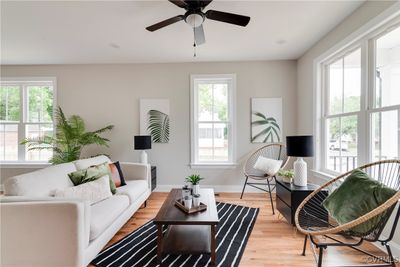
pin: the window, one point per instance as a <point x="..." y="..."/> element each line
<point x="361" y="103"/>
<point x="26" y="111"/>
<point x="213" y="119"/>
<point x="343" y="84"/>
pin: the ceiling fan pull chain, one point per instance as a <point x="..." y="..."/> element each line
<point x="194" y="43"/>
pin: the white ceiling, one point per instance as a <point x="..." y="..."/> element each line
<point x="78" y="32"/>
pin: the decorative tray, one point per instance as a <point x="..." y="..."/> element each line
<point x="180" y="205"/>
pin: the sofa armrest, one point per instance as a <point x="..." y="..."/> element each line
<point x="44" y="233"/>
<point x="136" y="171"/>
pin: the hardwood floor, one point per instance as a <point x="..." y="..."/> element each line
<point x="273" y="241"/>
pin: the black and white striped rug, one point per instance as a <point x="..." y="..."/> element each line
<point x="139" y="248"/>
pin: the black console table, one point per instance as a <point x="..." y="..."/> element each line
<point x="289" y="197"/>
<point x="153" y="177"/>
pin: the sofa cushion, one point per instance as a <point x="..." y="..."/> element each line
<point x="86" y="163"/>
<point x="40" y="183"/>
<point x="133" y="189"/>
<point x="116" y="174"/>
<point x="92" y="173"/>
<point x="104" y="213"/>
<point x="93" y="192"/>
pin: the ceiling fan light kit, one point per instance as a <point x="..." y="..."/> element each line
<point x="194" y="16"/>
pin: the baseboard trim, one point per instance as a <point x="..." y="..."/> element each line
<point x="217" y="188"/>
<point x="395" y="247"/>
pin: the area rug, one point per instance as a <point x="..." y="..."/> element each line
<point x="139" y="248"/>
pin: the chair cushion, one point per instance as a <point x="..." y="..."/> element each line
<point x="86" y="163"/>
<point x="355" y="197"/>
<point x="268" y="166"/>
<point x="93" y="192"/>
<point x="104" y="213"/>
<point x="92" y="173"/>
<point x="40" y="183"/>
<point x="133" y="189"/>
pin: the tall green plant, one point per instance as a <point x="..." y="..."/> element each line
<point x="271" y="128"/>
<point x="70" y="138"/>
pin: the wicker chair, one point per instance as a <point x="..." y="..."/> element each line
<point x="313" y="220"/>
<point x="275" y="151"/>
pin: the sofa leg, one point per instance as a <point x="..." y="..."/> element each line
<point x="144" y="205"/>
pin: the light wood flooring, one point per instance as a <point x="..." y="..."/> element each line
<point x="273" y="241"/>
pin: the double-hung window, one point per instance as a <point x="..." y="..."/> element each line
<point x="343" y="87"/>
<point x="26" y="111"/>
<point x="361" y="102"/>
<point x="212" y="120"/>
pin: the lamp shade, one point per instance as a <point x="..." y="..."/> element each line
<point x="142" y="142"/>
<point x="300" y="146"/>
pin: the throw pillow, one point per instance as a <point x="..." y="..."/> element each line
<point x="93" y="192"/>
<point x="92" y="173"/>
<point x="269" y="166"/>
<point x="116" y="174"/>
<point x="355" y="197"/>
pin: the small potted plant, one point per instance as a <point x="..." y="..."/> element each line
<point x="287" y="175"/>
<point x="194" y="179"/>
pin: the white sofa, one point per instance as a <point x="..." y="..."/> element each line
<point x="40" y="230"/>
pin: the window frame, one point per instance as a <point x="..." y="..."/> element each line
<point x="365" y="38"/>
<point x="23" y="83"/>
<point x="231" y="122"/>
<point x="326" y="105"/>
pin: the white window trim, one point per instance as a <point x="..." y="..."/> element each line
<point x="232" y="118"/>
<point x="372" y="29"/>
<point x="21" y="148"/>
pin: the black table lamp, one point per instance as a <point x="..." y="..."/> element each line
<point x="300" y="146"/>
<point x="142" y="142"/>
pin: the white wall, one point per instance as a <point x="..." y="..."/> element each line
<point x="109" y="94"/>
<point x="305" y="74"/>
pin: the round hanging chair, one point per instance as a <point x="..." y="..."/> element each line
<point x="264" y="182"/>
<point x="313" y="220"/>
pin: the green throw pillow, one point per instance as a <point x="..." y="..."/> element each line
<point x="92" y="173"/>
<point x="355" y="197"/>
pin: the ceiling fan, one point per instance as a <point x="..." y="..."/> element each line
<point x="194" y="16"/>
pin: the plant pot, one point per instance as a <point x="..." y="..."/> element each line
<point x="286" y="179"/>
<point x="196" y="189"/>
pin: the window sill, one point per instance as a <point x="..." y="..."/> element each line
<point x="322" y="175"/>
<point x="213" y="165"/>
<point x="24" y="165"/>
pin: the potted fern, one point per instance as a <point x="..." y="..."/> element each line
<point x="69" y="140"/>
<point x="195" y="179"/>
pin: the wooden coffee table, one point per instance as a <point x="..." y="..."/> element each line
<point x="187" y="233"/>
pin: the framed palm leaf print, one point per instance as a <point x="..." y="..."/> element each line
<point x="266" y="120"/>
<point x="154" y="119"/>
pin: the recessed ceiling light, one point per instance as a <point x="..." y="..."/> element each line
<point x="281" y="41"/>
<point x="114" y="45"/>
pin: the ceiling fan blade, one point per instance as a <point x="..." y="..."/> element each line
<point x="164" y="23"/>
<point x="179" y="3"/>
<point x="199" y="35"/>
<point x="228" y="17"/>
<point x="205" y="3"/>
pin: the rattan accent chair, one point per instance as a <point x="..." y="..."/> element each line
<point x="313" y="220"/>
<point x="275" y="151"/>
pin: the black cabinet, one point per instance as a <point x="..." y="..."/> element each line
<point x="153" y="177"/>
<point x="289" y="197"/>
